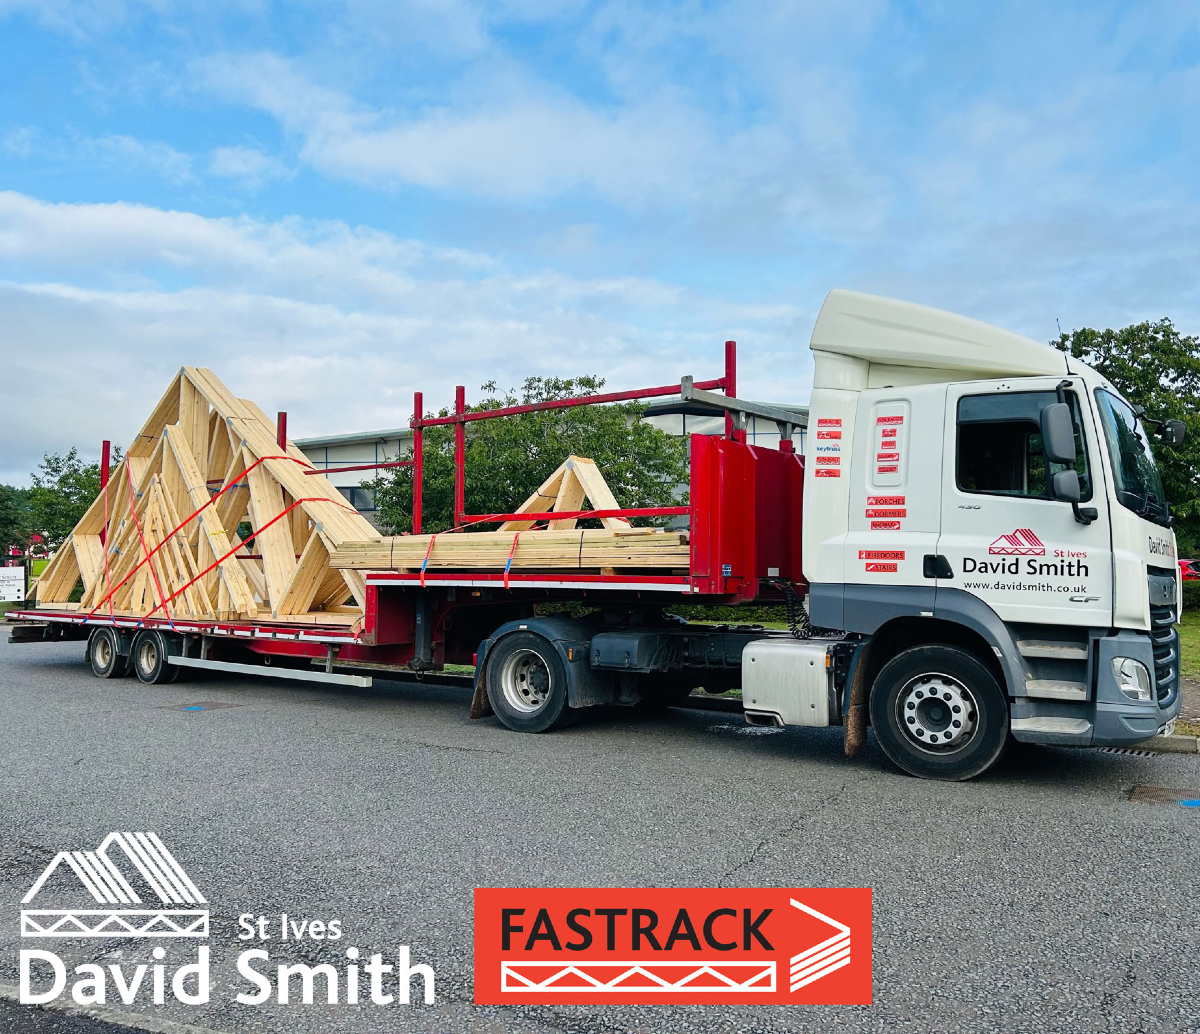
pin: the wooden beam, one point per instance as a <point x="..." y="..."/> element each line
<point x="310" y="571"/>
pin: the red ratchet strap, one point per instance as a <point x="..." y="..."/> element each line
<point x="257" y="531"/>
<point x="508" y="566"/>
<point x="182" y="524"/>
<point x="425" y="562"/>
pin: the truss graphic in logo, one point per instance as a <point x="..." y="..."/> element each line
<point x="619" y="977"/>
<point x="1022" y="542"/>
<point x="681" y="945"/>
<point x="147" y="861"/>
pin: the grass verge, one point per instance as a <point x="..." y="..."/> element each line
<point x="1189" y="643"/>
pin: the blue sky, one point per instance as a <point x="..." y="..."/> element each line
<point x="333" y="204"/>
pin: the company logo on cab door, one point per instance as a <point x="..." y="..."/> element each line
<point x="714" y="945"/>
<point x="1022" y="542"/>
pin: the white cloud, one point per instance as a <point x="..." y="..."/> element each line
<point x="251" y="167"/>
<point x="115" y="150"/>
<point x="131" y="153"/>
<point x="508" y="138"/>
<point x="336" y="325"/>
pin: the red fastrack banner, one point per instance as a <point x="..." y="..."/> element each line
<point x="803" y="946"/>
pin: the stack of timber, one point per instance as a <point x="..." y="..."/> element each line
<point x="162" y="539"/>
<point x="560" y="545"/>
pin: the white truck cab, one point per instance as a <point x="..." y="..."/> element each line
<point x="993" y="585"/>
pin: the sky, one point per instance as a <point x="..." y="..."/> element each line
<point x="333" y="204"/>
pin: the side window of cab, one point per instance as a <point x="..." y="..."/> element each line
<point x="1000" y="445"/>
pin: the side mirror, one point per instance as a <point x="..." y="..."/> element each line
<point x="1058" y="433"/>
<point x="1065" y="486"/>
<point x="1172" y="432"/>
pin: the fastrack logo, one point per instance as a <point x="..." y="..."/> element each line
<point x="829" y="434"/>
<point x="829" y="422"/>
<point x="889" y="420"/>
<point x="829" y="460"/>
<point x="670" y="946"/>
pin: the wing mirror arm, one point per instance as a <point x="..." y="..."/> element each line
<point x="1065" y="486"/>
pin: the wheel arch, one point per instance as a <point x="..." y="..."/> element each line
<point x="899" y="634"/>
<point x="571" y="638"/>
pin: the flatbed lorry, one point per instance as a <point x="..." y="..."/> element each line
<point x="974" y="548"/>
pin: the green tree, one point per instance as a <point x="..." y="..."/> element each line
<point x="63" y="488"/>
<point x="14" y="517"/>
<point x="507" y="459"/>
<point x="1156" y="367"/>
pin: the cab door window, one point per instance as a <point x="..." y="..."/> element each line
<point x="1000" y="445"/>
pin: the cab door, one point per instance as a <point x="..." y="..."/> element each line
<point x="1003" y="538"/>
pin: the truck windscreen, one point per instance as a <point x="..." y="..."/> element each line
<point x="1138" y="485"/>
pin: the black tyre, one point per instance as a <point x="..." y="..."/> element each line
<point x="527" y="683"/>
<point x="149" y="655"/>
<point x="104" y="654"/>
<point x="939" y="713"/>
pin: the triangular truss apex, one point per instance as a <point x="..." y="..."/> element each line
<point x="165" y="537"/>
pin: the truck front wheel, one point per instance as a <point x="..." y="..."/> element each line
<point x="527" y="683"/>
<point x="938" y="713"/>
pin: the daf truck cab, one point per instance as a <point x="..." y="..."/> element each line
<point x="984" y="518"/>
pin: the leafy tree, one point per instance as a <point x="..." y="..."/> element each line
<point x="14" y="517"/>
<point x="507" y="459"/>
<point x="63" y="488"/>
<point x="1156" y="367"/>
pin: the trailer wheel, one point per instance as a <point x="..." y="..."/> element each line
<point x="527" y="684"/>
<point x="104" y="654"/>
<point x="149" y="656"/>
<point x="938" y="713"/>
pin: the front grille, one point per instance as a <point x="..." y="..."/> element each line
<point x="1166" y="653"/>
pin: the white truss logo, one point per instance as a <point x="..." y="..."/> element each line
<point x="622" y="977"/>
<point x="109" y="886"/>
<point x="821" y="959"/>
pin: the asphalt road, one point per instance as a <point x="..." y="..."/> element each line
<point x="1037" y="898"/>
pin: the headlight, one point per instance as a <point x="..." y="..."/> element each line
<point x="1132" y="678"/>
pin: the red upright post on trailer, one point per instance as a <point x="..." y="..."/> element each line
<point x="281" y="426"/>
<point x="730" y="382"/>
<point x="105" y="464"/>
<point x="418" y="458"/>
<point x="460" y="454"/>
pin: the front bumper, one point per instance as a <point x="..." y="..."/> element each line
<point x="1111" y="719"/>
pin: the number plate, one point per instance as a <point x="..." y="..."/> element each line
<point x="1168" y="729"/>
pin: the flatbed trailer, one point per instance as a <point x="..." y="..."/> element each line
<point x="743" y="524"/>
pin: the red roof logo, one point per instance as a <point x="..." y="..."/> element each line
<point x="1022" y="542"/>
